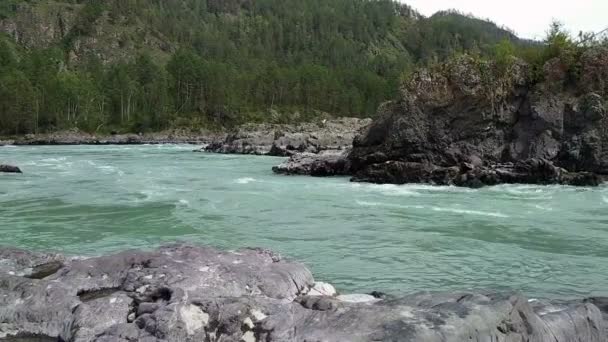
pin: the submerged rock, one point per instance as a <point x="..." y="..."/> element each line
<point x="9" y="169"/>
<point x="188" y="293"/>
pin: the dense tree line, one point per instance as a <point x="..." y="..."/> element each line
<point x="230" y="61"/>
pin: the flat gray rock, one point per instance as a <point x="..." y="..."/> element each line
<point x="325" y="163"/>
<point x="189" y="293"/>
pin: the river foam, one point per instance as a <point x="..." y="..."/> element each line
<point x="388" y="205"/>
<point x="245" y="180"/>
<point x="469" y="212"/>
<point x="433" y="208"/>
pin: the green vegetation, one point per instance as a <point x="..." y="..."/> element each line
<point x="559" y="45"/>
<point x="138" y="65"/>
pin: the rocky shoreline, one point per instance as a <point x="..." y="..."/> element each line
<point x="258" y="139"/>
<point x="190" y="293"/>
<point x="83" y="138"/>
<point x="288" y="140"/>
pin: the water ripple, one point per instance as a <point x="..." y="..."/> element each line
<point x="546" y="241"/>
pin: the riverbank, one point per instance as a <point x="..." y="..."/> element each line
<point x="190" y="293"/>
<point x="245" y="139"/>
<point x="83" y="138"/>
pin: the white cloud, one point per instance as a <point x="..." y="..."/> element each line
<point x="528" y="18"/>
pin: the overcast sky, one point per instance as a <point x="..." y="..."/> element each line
<point x="528" y="18"/>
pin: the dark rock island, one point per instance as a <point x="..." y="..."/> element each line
<point x="9" y="169"/>
<point x="472" y="122"/>
<point x="188" y="293"/>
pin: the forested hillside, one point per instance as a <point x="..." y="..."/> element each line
<point x="141" y="65"/>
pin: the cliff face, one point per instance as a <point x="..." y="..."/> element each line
<point x="483" y="115"/>
<point x="39" y="26"/>
<point x="82" y="32"/>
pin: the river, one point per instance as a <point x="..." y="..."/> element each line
<point x="546" y="241"/>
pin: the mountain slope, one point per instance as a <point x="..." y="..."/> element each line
<point x="154" y="64"/>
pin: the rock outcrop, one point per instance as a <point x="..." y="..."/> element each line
<point x="187" y="293"/>
<point x="472" y="118"/>
<point x="530" y="171"/>
<point x="9" y="169"/>
<point x="287" y="140"/>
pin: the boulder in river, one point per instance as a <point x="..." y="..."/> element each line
<point x="189" y="293"/>
<point x="326" y="163"/>
<point x="9" y="169"/>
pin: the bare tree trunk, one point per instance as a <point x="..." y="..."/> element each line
<point x="122" y="108"/>
<point x="37" y="116"/>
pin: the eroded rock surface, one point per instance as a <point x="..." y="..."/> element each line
<point x="188" y="293"/>
<point x="505" y="124"/>
<point x="530" y="171"/>
<point x="326" y="163"/>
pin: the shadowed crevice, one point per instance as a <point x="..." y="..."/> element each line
<point x="31" y="338"/>
<point x="89" y="295"/>
<point x="45" y="270"/>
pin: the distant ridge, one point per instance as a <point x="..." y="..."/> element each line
<point x="150" y="65"/>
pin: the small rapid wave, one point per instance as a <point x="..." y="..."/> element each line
<point x="527" y="192"/>
<point x="605" y="199"/>
<point x="109" y="169"/>
<point x="522" y="189"/>
<point x="149" y="195"/>
<point x="469" y="212"/>
<point x="176" y="147"/>
<point x="245" y="180"/>
<point x="433" y="208"/>
<point x="543" y="207"/>
<point x="387" y="205"/>
<point x="184" y="203"/>
<point x="396" y="190"/>
<point x="54" y="160"/>
<point x="438" y="188"/>
<point x="385" y="189"/>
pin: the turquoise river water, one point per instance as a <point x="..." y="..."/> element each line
<point x="87" y="200"/>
